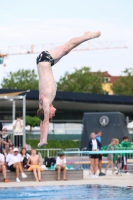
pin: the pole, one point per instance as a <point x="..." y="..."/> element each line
<point x="13" y="115"/>
<point x="24" y="119"/>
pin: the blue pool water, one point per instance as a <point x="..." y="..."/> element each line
<point x="79" y="192"/>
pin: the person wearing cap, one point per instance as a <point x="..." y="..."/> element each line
<point x="61" y="165"/>
<point x="14" y="164"/>
<point x="3" y="168"/>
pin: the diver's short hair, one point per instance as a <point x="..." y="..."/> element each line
<point x="40" y="114"/>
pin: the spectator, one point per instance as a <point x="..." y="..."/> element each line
<point x="8" y="157"/>
<point x="25" y="157"/>
<point x="1" y="127"/>
<point x="111" y="147"/>
<point x="5" y="136"/>
<point x="34" y="162"/>
<point x="3" y="144"/>
<point x="125" y="144"/>
<point x="6" y="140"/>
<point x="18" y="131"/>
<point x="61" y="165"/>
<point x="14" y="164"/>
<point x="3" y="168"/>
<point x="98" y="137"/>
<point x="117" y="157"/>
<point x="94" y="145"/>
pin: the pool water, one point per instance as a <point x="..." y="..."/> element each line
<point x="74" y="192"/>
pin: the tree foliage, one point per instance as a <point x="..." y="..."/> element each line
<point x="22" y="79"/>
<point x="32" y="122"/>
<point x="81" y="80"/>
<point x="124" y="85"/>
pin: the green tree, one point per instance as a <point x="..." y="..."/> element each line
<point x="32" y="122"/>
<point x="22" y="79"/>
<point x="81" y="80"/>
<point x="124" y="85"/>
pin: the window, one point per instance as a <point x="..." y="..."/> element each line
<point x="106" y="79"/>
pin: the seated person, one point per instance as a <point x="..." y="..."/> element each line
<point x="61" y="164"/>
<point x="14" y="164"/>
<point x="3" y="168"/>
<point x="5" y="136"/>
<point x="1" y="126"/>
<point x="4" y="141"/>
<point x="25" y="157"/>
<point x="10" y="153"/>
<point x="34" y="163"/>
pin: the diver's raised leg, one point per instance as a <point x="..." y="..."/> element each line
<point x="58" y="52"/>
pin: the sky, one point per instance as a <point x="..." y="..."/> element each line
<point x="36" y="22"/>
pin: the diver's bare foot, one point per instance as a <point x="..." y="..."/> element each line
<point x="37" y="180"/>
<point x="91" y="35"/>
<point x="42" y="143"/>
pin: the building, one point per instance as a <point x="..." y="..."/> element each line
<point x="108" y="82"/>
<point x="70" y="105"/>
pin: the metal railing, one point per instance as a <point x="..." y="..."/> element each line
<point x="77" y="159"/>
<point x="73" y="160"/>
<point x="123" y="157"/>
<point x="48" y="152"/>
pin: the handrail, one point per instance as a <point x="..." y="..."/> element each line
<point x="99" y="152"/>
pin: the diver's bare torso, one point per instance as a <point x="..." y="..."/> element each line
<point x="47" y="84"/>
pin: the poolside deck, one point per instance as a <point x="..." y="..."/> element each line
<point x="114" y="180"/>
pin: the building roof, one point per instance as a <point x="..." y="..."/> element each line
<point x="75" y="97"/>
<point x="107" y="75"/>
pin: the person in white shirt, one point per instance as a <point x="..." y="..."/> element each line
<point x="14" y="163"/>
<point x="61" y="165"/>
<point x="8" y="157"/>
<point x="18" y="131"/>
<point x="3" y="168"/>
<point x="94" y="145"/>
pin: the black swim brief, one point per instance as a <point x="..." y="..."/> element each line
<point x="45" y="57"/>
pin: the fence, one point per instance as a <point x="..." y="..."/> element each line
<point x="123" y="158"/>
<point x="77" y="159"/>
<point x="48" y="152"/>
<point x="73" y="159"/>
